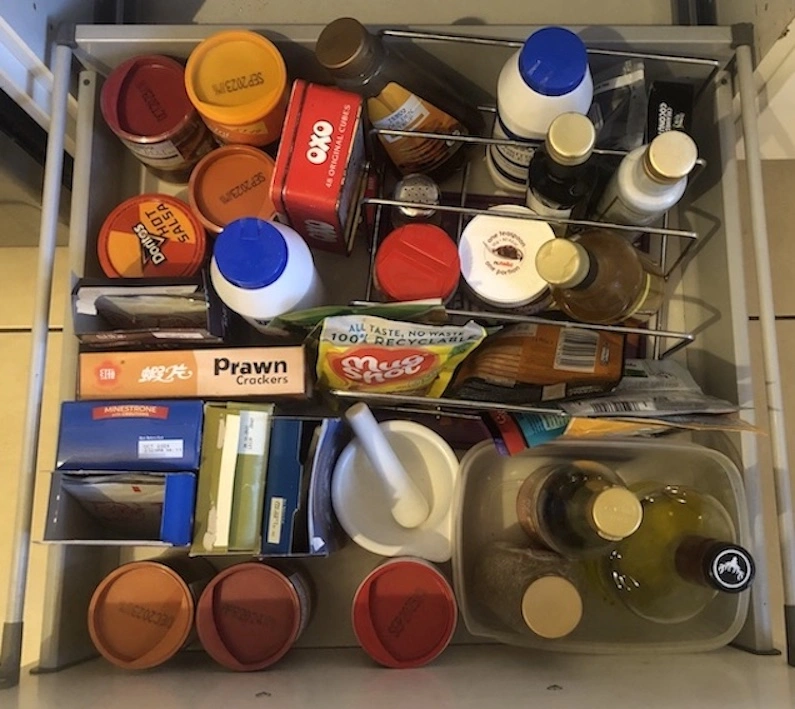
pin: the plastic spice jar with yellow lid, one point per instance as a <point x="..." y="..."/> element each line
<point x="237" y="80"/>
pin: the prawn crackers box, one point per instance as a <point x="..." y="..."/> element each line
<point x="183" y="374"/>
<point x="320" y="165"/>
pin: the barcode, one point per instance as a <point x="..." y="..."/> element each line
<point x="577" y="350"/>
<point x="616" y="407"/>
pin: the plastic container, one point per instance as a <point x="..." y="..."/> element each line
<point x="548" y="76"/>
<point x="145" y="104"/>
<point x="251" y="614"/>
<point x="417" y="261"/>
<point x="237" y="80"/>
<point x="141" y="614"/>
<point x="649" y="181"/>
<point x="404" y="613"/>
<point x="486" y="512"/>
<point x="498" y="259"/>
<point x="231" y="183"/>
<point x="262" y="269"/>
<point x="151" y="235"/>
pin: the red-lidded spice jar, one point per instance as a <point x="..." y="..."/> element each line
<point x="144" y="102"/>
<point x="251" y="614"/>
<point x="404" y="613"/>
<point x="417" y="261"/>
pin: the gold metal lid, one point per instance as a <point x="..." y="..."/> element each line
<point x="552" y="607"/>
<point x="615" y="513"/>
<point x="345" y="46"/>
<point x="570" y="139"/>
<point x="670" y="156"/>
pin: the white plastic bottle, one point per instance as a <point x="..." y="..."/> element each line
<point x="262" y="269"/>
<point x="548" y="76"/>
<point x="649" y="181"/>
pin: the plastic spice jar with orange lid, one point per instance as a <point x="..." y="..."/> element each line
<point x="231" y="183"/>
<point x="141" y="614"/>
<point x="404" y="613"/>
<point x="145" y="104"/>
<point x="237" y="80"/>
<point x="151" y="235"/>
<point x="251" y="614"/>
<point x="417" y="261"/>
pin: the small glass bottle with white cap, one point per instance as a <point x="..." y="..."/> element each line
<point x="578" y="509"/>
<point x="532" y="592"/>
<point x="649" y="181"/>
<point x="561" y="175"/>
<point x="600" y="278"/>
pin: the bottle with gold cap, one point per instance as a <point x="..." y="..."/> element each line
<point x="599" y="277"/>
<point x="649" y="181"/>
<point x="578" y="509"/>
<point x="682" y="557"/>
<point x="401" y="95"/>
<point x="562" y="175"/>
<point x="532" y="592"/>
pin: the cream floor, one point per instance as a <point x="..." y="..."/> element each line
<point x="17" y="273"/>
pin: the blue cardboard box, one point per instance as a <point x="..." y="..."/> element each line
<point x="153" y="436"/>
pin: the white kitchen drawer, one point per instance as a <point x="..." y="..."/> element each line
<point x="709" y="301"/>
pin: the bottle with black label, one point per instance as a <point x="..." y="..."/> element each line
<point x="401" y="95"/>
<point x="600" y="278"/>
<point x="561" y="174"/>
<point x="579" y="509"/>
<point x="682" y="556"/>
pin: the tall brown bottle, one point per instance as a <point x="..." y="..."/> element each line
<point x="401" y="95"/>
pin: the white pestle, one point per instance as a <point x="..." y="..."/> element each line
<point x="409" y="506"/>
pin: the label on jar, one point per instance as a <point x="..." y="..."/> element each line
<point x="395" y="108"/>
<point x="548" y="208"/>
<point x="179" y="152"/>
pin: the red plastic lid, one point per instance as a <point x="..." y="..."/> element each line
<point x="248" y="617"/>
<point x="404" y="613"/>
<point x="145" y="97"/>
<point x="151" y="235"/>
<point x="417" y="261"/>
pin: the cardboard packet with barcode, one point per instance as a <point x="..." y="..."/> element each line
<point x="538" y="363"/>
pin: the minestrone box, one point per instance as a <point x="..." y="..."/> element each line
<point x="159" y="435"/>
<point x="233" y="373"/>
<point x="129" y="508"/>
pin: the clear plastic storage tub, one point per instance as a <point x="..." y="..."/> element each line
<point x="486" y="512"/>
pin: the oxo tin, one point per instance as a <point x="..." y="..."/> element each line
<point x="151" y="235"/>
<point x="144" y="102"/>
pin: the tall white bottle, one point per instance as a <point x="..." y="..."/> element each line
<point x="649" y="181"/>
<point x="548" y="76"/>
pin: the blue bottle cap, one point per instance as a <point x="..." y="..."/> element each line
<point x="553" y="61"/>
<point x="250" y="253"/>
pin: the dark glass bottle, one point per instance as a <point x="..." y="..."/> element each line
<point x="561" y="175"/>
<point x="401" y="95"/>
<point x="577" y="509"/>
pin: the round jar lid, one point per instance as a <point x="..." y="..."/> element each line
<point x="671" y="156"/>
<point x="251" y="253"/>
<point x="562" y="263"/>
<point x="231" y="183"/>
<point x="236" y="77"/>
<point x="615" y="513"/>
<point x="729" y="567"/>
<point x="151" y="235"/>
<point x="417" y="261"/>
<point x="248" y="616"/>
<point x="570" y="139"/>
<point x="552" y="607"/>
<point x="140" y="615"/>
<point x="144" y="98"/>
<point x="420" y="189"/>
<point x="553" y="61"/>
<point x="404" y="613"/>
<point x="498" y="257"/>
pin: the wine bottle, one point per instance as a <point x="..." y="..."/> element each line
<point x="577" y="509"/>
<point x="682" y="556"/>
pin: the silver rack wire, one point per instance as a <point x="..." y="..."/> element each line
<point x="657" y="334"/>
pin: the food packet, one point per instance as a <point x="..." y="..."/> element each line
<point x="618" y="111"/>
<point x="534" y="363"/>
<point x="365" y="353"/>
